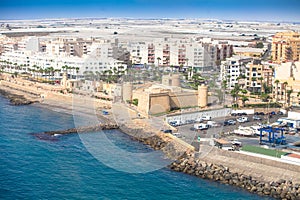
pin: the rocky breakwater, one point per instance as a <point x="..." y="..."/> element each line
<point x="85" y="129"/>
<point x="154" y="139"/>
<point x="281" y="189"/>
<point x="16" y="99"/>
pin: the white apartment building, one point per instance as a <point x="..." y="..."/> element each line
<point x="232" y="68"/>
<point x="177" y="52"/>
<point x="84" y="55"/>
<point x="27" y="60"/>
<point x="29" y="44"/>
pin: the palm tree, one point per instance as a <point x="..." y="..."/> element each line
<point x="244" y="99"/>
<point x="289" y="92"/>
<point x="285" y="91"/>
<point x="235" y="93"/>
<point x="261" y="87"/>
<point x="77" y="70"/>
<point x="158" y="59"/>
<point x="276" y="95"/>
<point x="34" y="69"/>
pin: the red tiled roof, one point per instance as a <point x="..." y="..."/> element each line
<point x="294" y="155"/>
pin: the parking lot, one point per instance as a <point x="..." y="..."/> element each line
<point x="188" y="134"/>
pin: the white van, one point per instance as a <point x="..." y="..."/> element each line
<point x="206" y="117"/>
<point x="212" y="124"/>
<point x="201" y="126"/>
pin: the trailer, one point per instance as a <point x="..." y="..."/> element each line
<point x="292" y="123"/>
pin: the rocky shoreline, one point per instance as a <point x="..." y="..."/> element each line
<point x="16" y="99"/>
<point x="281" y="189"/>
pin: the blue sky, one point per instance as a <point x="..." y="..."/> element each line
<point x="277" y="10"/>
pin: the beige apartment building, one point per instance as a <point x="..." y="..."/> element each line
<point x="258" y="74"/>
<point x="286" y="84"/>
<point x="286" y="47"/>
<point x="254" y="76"/>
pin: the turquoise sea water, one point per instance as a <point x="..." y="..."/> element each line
<point x="34" y="167"/>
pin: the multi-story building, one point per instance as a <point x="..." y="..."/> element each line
<point x="79" y="55"/>
<point x="268" y="75"/>
<point x="286" y="83"/>
<point x="286" y="47"/>
<point x="232" y="69"/>
<point x="254" y="76"/>
<point x="178" y="52"/>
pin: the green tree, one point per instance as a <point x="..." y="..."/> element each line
<point x="259" y="45"/>
<point x="289" y="92"/>
<point x="261" y="87"/>
<point x="135" y="102"/>
<point x="158" y="60"/>
<point x="276" y="95"/>
<point x="244" y="99"/>
<point x="285" y="84"/>
<point x="235" y="93"/>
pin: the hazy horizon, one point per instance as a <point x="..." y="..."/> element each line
<point x="255" y="10"/>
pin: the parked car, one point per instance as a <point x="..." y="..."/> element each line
<point x="279" y="113"/>
<point x="242" y="114"/>
<point x="236" y="142"/>
<point x="273" y="113"/>
<point x="230" y="122"/>
<point x="242" y="119"/>
<point x="177" y="135"/>
<point x="206" y="117"/>
<point x="199" y="119"/>
<point x="259" y="113"/>
<point x="255" y="117"/>
<point x="190" y="121"/>
<point x="225" y="123"/>
<point x="212" y="124"/>
<point x="168" y="131"/>
<point x="175" y="123"/>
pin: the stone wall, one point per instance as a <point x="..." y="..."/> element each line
<point x="143" y="104"/>
<point x="182" y="100"/>
<point x="159" y="103"/>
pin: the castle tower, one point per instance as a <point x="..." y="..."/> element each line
<point x="64" y="81"/>
<point x="202" y="95"/>
<point x="176" y="80"/>
<point x="165" y="80"/>
<point x="127" y="91"/>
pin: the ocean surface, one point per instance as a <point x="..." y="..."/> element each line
<point x="33" y="166"/>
